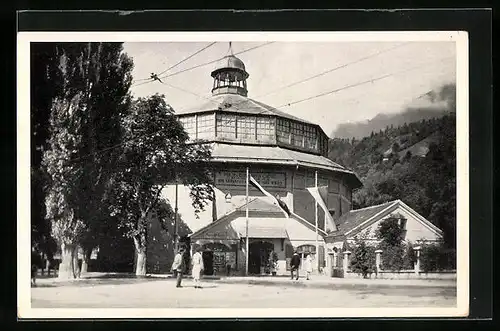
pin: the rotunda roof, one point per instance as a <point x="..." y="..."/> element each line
<point x="229" y="62"/>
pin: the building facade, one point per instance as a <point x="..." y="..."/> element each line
<point x="362" y="224"/>
<point x="285" y="155"/>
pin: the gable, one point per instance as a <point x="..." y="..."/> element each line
<point x="220" y="230"/>
<point x="416" y="227"/>
<point x="194" y="221"/>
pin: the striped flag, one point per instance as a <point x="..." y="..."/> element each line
<point x="281" y="204"/>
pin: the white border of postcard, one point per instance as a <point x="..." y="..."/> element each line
<point x="23" y="173"/>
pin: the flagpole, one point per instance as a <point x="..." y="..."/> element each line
<point x="316" y="220"/>
<point x="246" y="240"/>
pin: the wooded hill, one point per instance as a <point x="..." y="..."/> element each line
<point x="414" y="162"/>
<point x="428" y="106"/>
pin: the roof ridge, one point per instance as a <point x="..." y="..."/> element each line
<point x="262" y="198"/>
<point x="278" y="112"/>
<point x="374" y="206"/>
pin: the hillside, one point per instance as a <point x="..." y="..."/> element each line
<point x="434" y="104"/>
<point x="414" y="162"/>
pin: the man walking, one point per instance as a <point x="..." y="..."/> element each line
<point x="178" y="266"/>
<point x="295" y="264"/>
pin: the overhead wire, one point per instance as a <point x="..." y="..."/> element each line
<point x="187" y="58"/>
<point x="355" y="85"/>
<point x="149" y="80"/>
<point x="334" y="69"/>
<point x="207" y="63"/>
<point x="277" y="108"/>
<point x="360" y="83"/>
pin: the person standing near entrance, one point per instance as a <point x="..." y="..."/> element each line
<point x="178" y="266"/>
<point x="308" y="266"/>
<point x="196" y="271"/>
<point x="295" y="264"/>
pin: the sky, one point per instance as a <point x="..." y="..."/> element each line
<point x="361" y="90"/>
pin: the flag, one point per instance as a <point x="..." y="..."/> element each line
<point x="281" y="204"/>
<point x="319" y="200"/>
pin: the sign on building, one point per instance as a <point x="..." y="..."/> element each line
<point x="238" y="178"/>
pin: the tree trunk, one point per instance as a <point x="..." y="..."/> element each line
<point x="86" y="259"/>
<point x="140" y="252"/>
<point x="76" y="266"/>
<point x="66" y="268"/>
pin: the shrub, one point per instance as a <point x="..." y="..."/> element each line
<point x="363" y="259"/>
<point x="410" y="257"/>
<point x="392" y="257"/>
<point x="436" y="257"/>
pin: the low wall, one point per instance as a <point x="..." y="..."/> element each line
<point x="406" y="274"/>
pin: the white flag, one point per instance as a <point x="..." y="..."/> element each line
<point x="281" y="204"/>
<point x="319" y="200"/>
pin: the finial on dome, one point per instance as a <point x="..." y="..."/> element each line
<point x="231" y="47"/>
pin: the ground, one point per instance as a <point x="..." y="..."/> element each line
<point x="240" y="292"/>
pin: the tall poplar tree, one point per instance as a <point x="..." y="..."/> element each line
<point x="84" y="123"/>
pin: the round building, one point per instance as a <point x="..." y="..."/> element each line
<point x="285" y="156"/>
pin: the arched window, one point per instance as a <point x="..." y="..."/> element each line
<point x="306" y="249"/>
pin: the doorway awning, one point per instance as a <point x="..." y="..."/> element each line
<point x="262" y="228"/>
<point x="265" y="233"/>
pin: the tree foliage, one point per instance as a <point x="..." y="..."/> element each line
<point x="155" y="152"/>
<point x="437" y="257"/>
<point x="363" y="259"/>
<point x="427" y="184"/>
<point x="390" y="232"/>
<point x="88" y="99"/>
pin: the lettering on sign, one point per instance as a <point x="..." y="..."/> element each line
<point x="217" y="235"/>
<point x="238" y="178"/>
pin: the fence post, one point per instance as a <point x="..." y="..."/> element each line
<point x="378" y="253"/>
<point x="346" y="262"/>
<point x="329" y="264"/>
<point x="417" y="263"/>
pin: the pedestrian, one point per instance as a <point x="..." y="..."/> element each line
<point x="178" y="266"/>
<point x="295" y="264"/>
<point x="34" y="266"/>
<point x="197" y="270"/>
<point x="308" y="266"/>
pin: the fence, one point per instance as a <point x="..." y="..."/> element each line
<point x="429" y="262"/>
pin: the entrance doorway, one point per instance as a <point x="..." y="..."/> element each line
<point x="208" y="262"/>
<point x="258" y="259"/>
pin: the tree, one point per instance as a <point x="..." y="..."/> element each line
<point x="363" y="259"/>
<point x="46" y="84"/>
<point x="108" y="89"/>
<point x="155" y="152"/>
<point x="390" y="233"/>
<point x="84" y="119"/>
